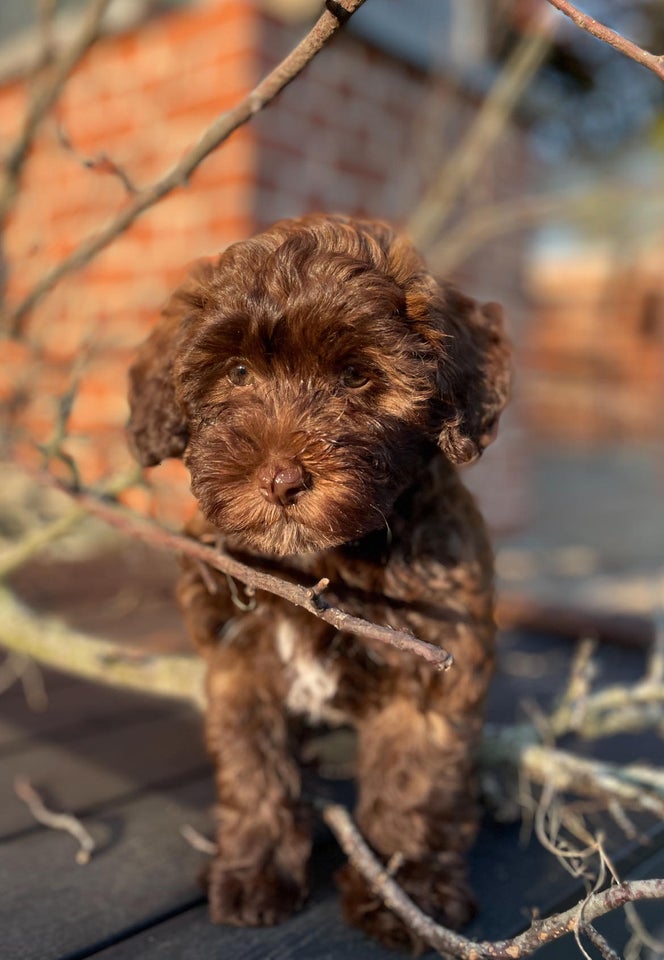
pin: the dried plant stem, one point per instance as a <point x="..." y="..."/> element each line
<point x="55" y="821"/>
<point x="44" y="96"/>
<point x="137" y="527"/>
<point x="19" y="553"/>
<point x="459" y="171"/>
<point x="604" y="33"/>
<point x="452" y="944"/>
<point x="56" y="644"/>
<point x="219" y="131"/>
<point x="483" y="225"/>
<point x="636" y="786"/>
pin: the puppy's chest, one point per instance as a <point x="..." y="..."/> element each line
<point x="313" y="677"/>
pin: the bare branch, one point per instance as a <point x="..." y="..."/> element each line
<point x="55" y="643"/>
<point x="450" y="943"/>
<point x="604" y="33"/>
<point x="100" y="164"/>
<point x="637" y="786"/>
<point x="46" y="18"/>
<point x="310" y="599"/>
<point x="605" y="948"/>
<point x="219" y="131"/>
<point x="481" y="137"/>
<point x="20" y="552"/>
<point x="44" y="97"/>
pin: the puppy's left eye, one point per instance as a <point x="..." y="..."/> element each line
<point x="239" y="375"/>
<point x="354" y="378"/>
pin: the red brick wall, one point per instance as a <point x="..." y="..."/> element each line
<point x="143" y="98"/>
<point x="596" y="347"/>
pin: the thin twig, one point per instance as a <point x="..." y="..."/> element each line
<point x="568" y="715"/>
<point x="198" y="841"/>
<point x="219" y="131"/>
<point x="490" y="122"/>
<point x="604" y="33"/>
<point x="101" y="163"/>
<point x="56" y="821"/>
<point x="19" y="553"/>
<point x="19" y="668"/>
<point x="46" y="21"/>
<point x="137" y="527"/>
<point x="449" y="943"/>
<point x="43" y="99"/>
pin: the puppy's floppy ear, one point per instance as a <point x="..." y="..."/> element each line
<point x="468" y="344"/>
<point x="157" y="427"/>
<point x="474" y="376"/>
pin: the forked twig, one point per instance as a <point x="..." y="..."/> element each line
<point x="453" y="944"/>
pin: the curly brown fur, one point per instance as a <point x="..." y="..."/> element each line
<point x="321" y="385"/>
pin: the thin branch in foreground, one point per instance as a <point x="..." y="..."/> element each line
<point x="449" y="943"/>
<point x="616" y="40"/>
<point x="54" y="643"/>
<point x="309" y="598"/>
<point x="220" y="130"/>
<point x="56" y="821"/>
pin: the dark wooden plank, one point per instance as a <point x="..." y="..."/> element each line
<point x="51" y="907"/>
<point x="508" y="880"/>
<point x="74" y="706"/>
<point x="317" y="933"/>
<point x="103" y="764"/>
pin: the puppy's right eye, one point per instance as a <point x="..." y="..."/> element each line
<point x="239" y="375"/>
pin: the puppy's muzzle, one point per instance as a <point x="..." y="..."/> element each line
<point x="282" y="483"/>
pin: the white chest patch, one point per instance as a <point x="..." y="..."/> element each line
<point x="313" y="683"/>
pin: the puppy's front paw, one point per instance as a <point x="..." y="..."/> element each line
<point x="256" y="896"/>
<point x="439" y="890"/>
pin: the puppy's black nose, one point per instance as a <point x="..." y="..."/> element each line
<point x="281" y="483"/>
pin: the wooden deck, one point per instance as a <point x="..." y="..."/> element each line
<point x="133" y="768"/>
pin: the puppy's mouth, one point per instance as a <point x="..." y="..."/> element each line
<point x="314" y="518"/>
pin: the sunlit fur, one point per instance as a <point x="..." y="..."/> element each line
<point x="324" y="347"/>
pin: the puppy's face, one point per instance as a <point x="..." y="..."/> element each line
<point x="308" y="405"/>
<point x="306" y="377"/>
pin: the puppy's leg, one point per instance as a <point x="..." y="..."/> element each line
<point x="258" y="877"/>
<point x="416" y="805"/>
<point x="206" y="604"/>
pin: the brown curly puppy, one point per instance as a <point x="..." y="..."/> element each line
<point x="320" y="386"/>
